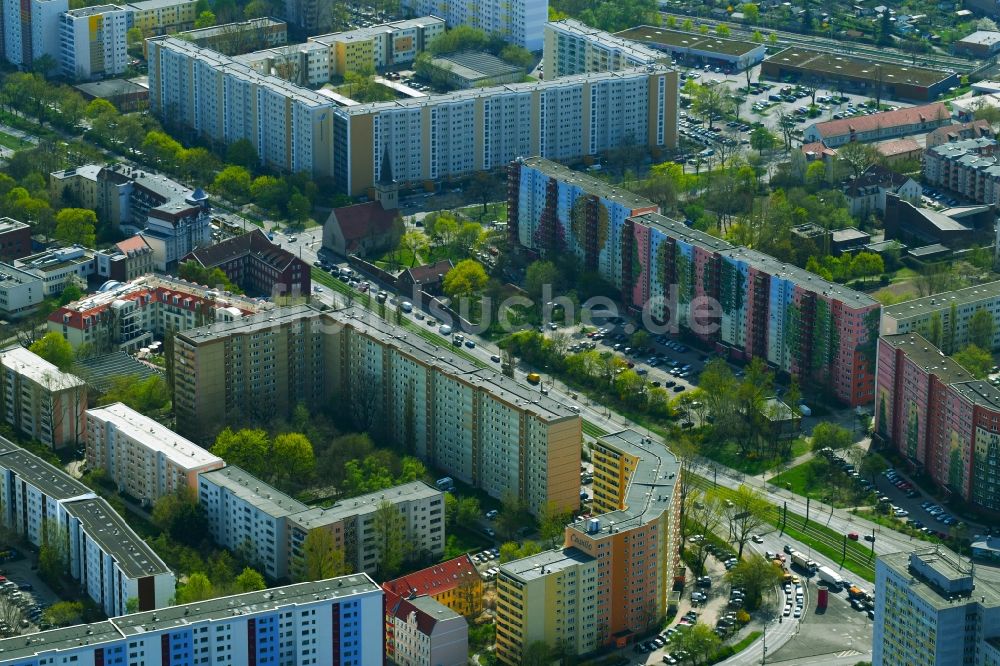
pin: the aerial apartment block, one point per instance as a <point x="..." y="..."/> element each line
<point x="940" y="418"/>
<point x="429" y="137"/>
<point x="240" y="37"/>
<point x="110" y="561"/>
<point x="796" y="321"/>
<point x="31" y="30"/>
<point x="15" y="239"/>
<point x="916" y="316"/>
<point x="477" y="425"/>
<point x="92" y="42"/>
<point x="144" y="458"/>
<point x="933" y="608"/>
<point x="968" y="167"/>
<point x="332" y="622"/>
<point x="133" y="315"/>
<point x="248" y="515"/>
<point x="40" y="400"/>
<point x="520" y="22"/>
<point x="380" y="46"/>
<point x="21" y="292"/>
<point x="160" y="17"/>
<point x="615" y="572"/>
<point x="573" y="47"/>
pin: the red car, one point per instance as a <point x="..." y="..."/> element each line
<point x="853" y="536"/>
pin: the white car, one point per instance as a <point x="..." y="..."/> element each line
<point x="798" y="612"/>
<point x="756" y="538"/>
<point x="788" y="611"/>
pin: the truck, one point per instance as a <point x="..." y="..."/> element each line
<point x="802" y="561"/>
<point x="830" y="576"/>
<point x="855" y="592"/>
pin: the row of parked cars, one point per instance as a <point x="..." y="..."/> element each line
<point x="31" y="610"/>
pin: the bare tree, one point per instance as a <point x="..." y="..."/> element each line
<point x="704" y="510"/>
<point x="746" y="514"/>
<point x="10" y="615"/>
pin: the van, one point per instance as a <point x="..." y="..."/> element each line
<point x="534" y="378"/>
<point x="406" y="306"/>
<point x="445" y="484"/>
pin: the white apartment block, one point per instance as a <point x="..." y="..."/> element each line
<point x="226" y="100"/>
<point x="380" y="46"/>
<point x="573" y="47"/>
<point x="248" y="516"/>
<point x="306" y="64"/>
<point x="59" y="267"/>
<point x="144" y="458"/>
<point x="21" y="292"/>
<point x="92" y="41"/>
<point x="968" y="167"/>
<point x="477" y="425"/>
<point x="333" y="622"/>
<point x="453" y="135"/>
<point x="352" y="523"/>
<point x="520" y="22"/>
<point x="931" y="608"/>
<point x="111" y="562"/>
<point x="31" y="29"/>
<point x="40" y="400"/>
<point x="916" y="316"/>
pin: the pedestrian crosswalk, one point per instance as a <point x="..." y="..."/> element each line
<point x="848" y="653"/>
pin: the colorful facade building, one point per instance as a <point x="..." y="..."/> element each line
<point x="954" y="311"/>
<point x="92" y="41"/>
<point x="612" y="579"/>
<point x="743" y="303"/>
<point x="941" y="419"/>
<point x="455" y="583"/>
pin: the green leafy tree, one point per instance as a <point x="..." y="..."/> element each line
<point x="514" y="514"/>
<point x="269" y="193"/>
<point x="756" y="575"/>
<point x="539" y="274"/>
<point x="180" y="516"/>
<point x="299" y="207"/>
<point x="206" y="19"/>
<point x="150" y="396"/>
<point x="700" y="641"/>
<point x="751" y="12"/>
<point x="467" y="278"/>
<point x="511" y="550"/>
<point x="321" y="558"/>
<point x="981" y="329"/>
<point x="830" y="435"/>
<point x="192" y="271"/>
<point x="415" y="244"/>
<point x="77" y="226"/>
<point x="233" y="182"/>
<point x="552" y="524"/>
<point x="247" y="448"/>
<point x="746" y="515"/>
<point x="389" y="529"/>
<point x="197" y="588"/>
<point x="242" y="153"/>
<point x="64" y="613"/>
<point x="976" y="360"/>
<point x="722" y="30"/>
<point x="53" y="554"/>
<point x="867" y="265"/>
<point x="294" y="453"/>
<point x="249" y="580"/>
<point x="55" y="349"/>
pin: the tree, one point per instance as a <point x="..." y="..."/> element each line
<point x="856" y="157"/>
<point x="242" y="153"/>
<point x="77" y="226"/>
<point x="762" y="140"/>
<point x="389" y="530"/>
<point x="269" y="193"/>
<point x="192" y="271"/>
<point x="700" y="641"/>
<point x="197" y="588"/>
<point x="702" y="511"/>
<point x="295" y="453"/>
<point x="415" y="243"/>
<point x="537" y="653"/>
<point x="233" y="182"/>
<point x="746" y="515"/>
<point x="321" y="558"/>
<point x="514" y="515"/>
<point x="722" y="30"/>
<point x="206" y="19"/>
<point x="247" y="448"/>
<point x="150" y="396"/>
<point x="64" y="613"/>
<point x="11" y="613"/>
<point x="249" y="580"/>
<point x="981" y="329"/>
<point x="53" y="554"/>
<point x="55" y="349"/>
<point x="712" y="102"/>
<point x="976" y="360"/>
<point x="510" y="550"/>
<point x="868" y="264"/>
<point x="181" y="517"/>
<point x="830" y="435"/>
<point x="755" y="575"/>
<point x="552" y="524"/>
<point x="751" y="12"/>
<point x="935" y="329"/>
<point x="462" y="512"/>
<point x="539" y="274"/>
<point x="466" y="279"/>
<point x="299" y="207"/>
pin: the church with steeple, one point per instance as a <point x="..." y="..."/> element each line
<point x="368" y="229"/>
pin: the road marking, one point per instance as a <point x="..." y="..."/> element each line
<point x="848" y="653"/>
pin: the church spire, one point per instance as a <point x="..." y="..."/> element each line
<point x="385" y="170"/>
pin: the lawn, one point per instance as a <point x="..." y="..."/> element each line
<point x="12" y="142"/>
<point x="817" y="479"/>
<point x="730" y="455"/>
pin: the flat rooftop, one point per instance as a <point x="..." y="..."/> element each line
<point x="383" y="29"/>
<point x="35" y="368"/>
<point x="948" y="567"/>
<point x="542" y="564"/>
<point x="52" y="481"/>
<point x="364" y="504"/>
<point x="159" y="4"/>
<point x="253" y="491"/>
<point x="110" y="531"/>
<point x="614" y="42"/>
<point x="155" y="436"/>
<point x="920" y="307"/>
<point x="676" y="39"/>
<point x="111" y="88"/>
<point x="10" y="224"/>
<point x="94" y="10"/>
<point x="830" y="64"/>
<point x="29" y="646"/>
<point x="650" y="488"/>
<point x="588" y="183"/>
<point x="523" y="396"/>
<point x="230" y="28"/>
<point x="475" y="65"/>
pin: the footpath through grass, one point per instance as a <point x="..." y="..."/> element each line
<point x="852" y="555"/>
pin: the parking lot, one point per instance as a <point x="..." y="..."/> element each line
<point x="24" y="598"/>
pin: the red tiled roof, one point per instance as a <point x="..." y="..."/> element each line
<point x="430" y="272"/>
<point x="433" y="580"/>
<point x="134" y="244"/>
<point x="973" y="129"/>
<point x="898" y="147"/>
<point x="909" y="116"/>
<point x="818" y="148"/>
<point x="401" y="608"/>
<point x="363" y="220"/>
